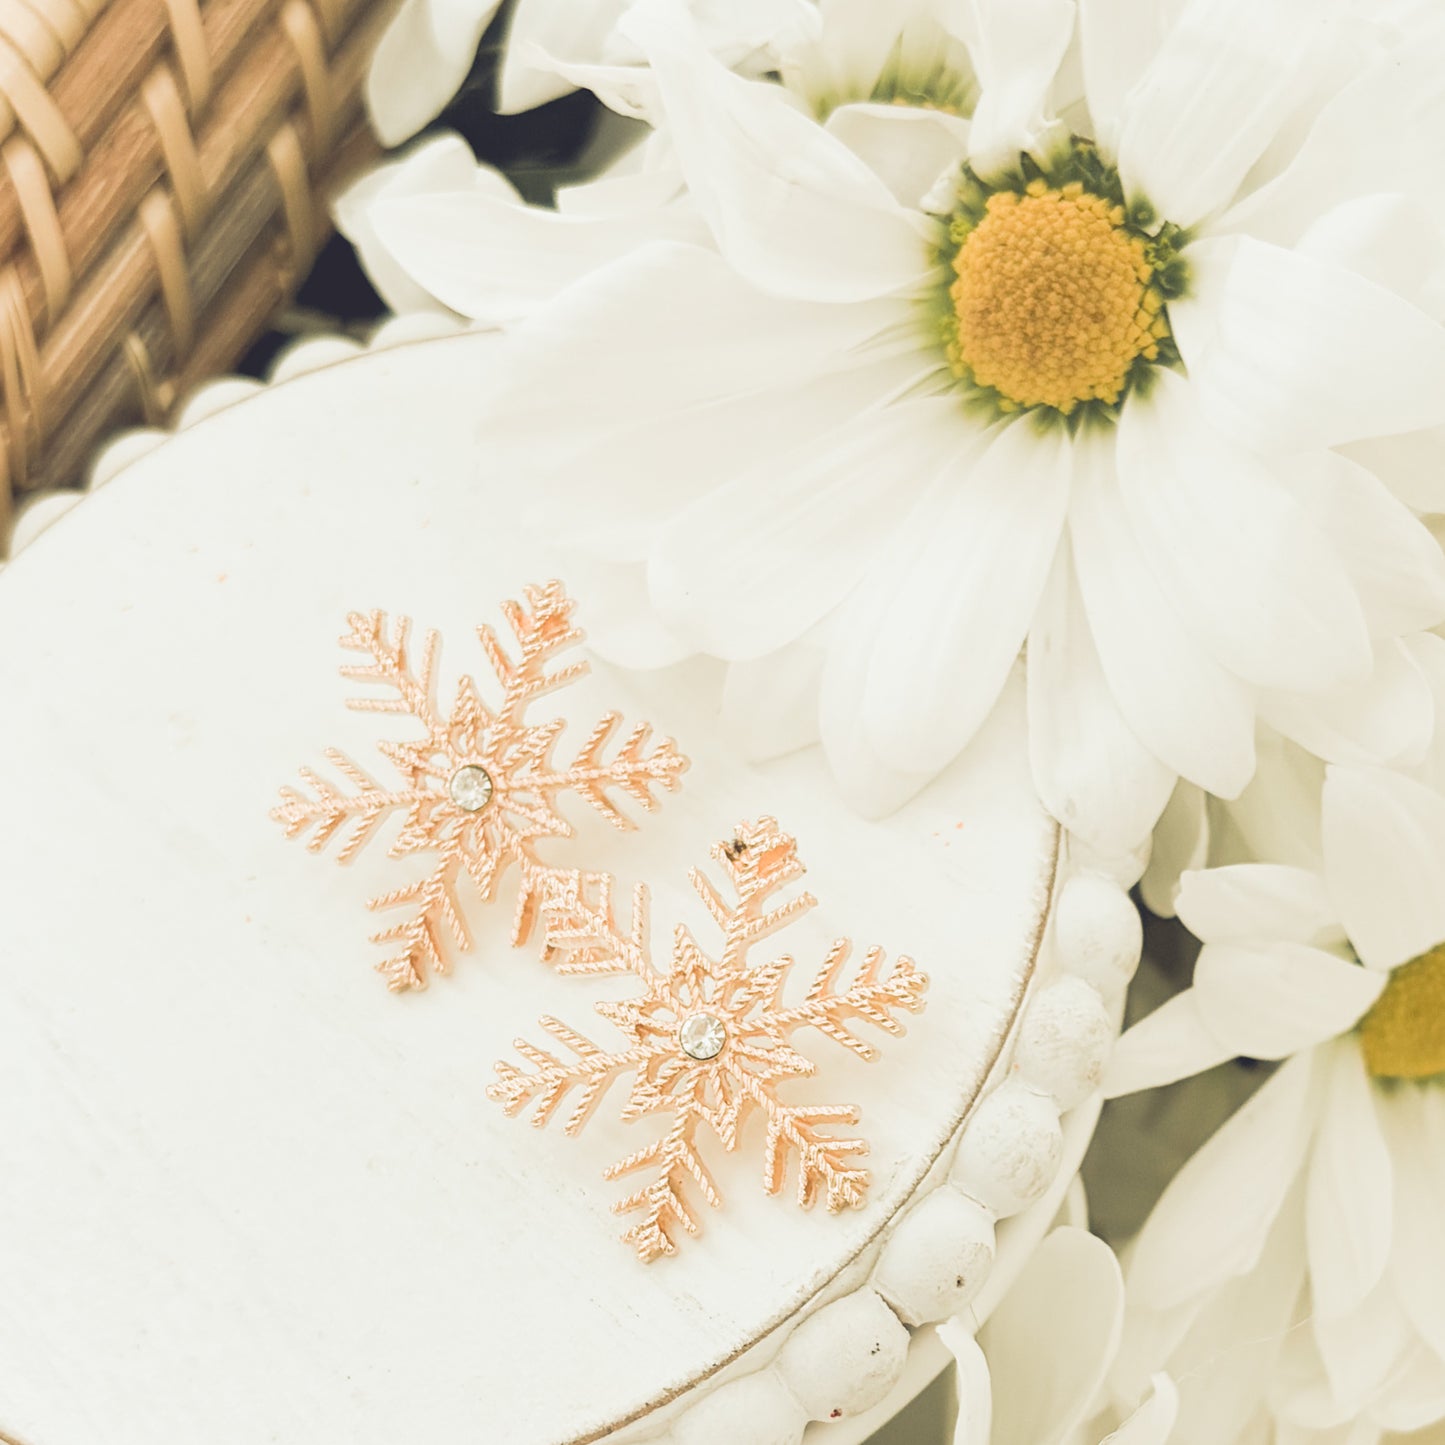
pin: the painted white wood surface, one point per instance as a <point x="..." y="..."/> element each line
<point x="247" y="1195"/>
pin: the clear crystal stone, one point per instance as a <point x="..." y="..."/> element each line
<point x="702" y="1036"/>
<point x="471" y="788"/>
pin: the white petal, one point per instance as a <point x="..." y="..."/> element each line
<point x="1416" y="1131"/>
<point x="1384" y="840"/>
<point x="1016" y="47"/>
<point x="770" y="706"/>
<point x="539" y="30"/>
<point x="493" y="259"/>
<point x="1411" y="465"/>
<point x="1211" y="101"/>
<point x="959" y="616"/>
<point x="1428" y="652"/>
<point x="1092" y="773"/>
<point x="907" y="147"/>
<point x="754" y="564"/>
<point x="1118" y="39"/>
<point x="665" y="327"/>
<point x="1374" y="134"/>
<point x="1389" y="718"/>
<point x="621" y="626"/>
<point x="420" y="62"/>
<point x="1415" y="1399"/>
<point x="1350" y="1193"/>
<point x="1257" y="902"/>
<point x="1214" y="1219"/>
<point x="974" y="1389"/>
<point x="1290" y="352"/>
<point x="1184" y="707"/>
<point x="1153" y="1422"/>
<point x="873" y="785"/>
<point x="1255" y="580"/>
<point x="1181" y="842"/>
<point x="614" y="496"/>
<point x="1066" y="1307"/>
<point x="1270" y="1001"/>
<point x="1278" y="814"/>
<point x="792" y="208"/>
<point x="1396" y="565"/>
<point x="439" y="163"/>
<point x="1172" y="1043"/>
<point x="1390" y="239"/>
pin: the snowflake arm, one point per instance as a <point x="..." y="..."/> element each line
<point x="391" y="667"/>
<point x="710" y="1038"/>
<point x="478" y="789"/>
<point x="327" y="810"/>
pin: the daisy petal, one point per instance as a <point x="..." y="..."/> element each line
<point x="1384" y="841"/>
<point x="492" y="258"/>
<point x="1388" y="719"/>
<point x="1180" y="842"/>
<point x="619" y="493"/>
<point x="1271" y="1001"/>
<point x="960" y="614"/>
<point x="770" y="705"/>
<point x="665" y="327"/>
<point x="1016" y="47"/>
<point x="1170" y="1044"/>
<point x="1415" y="1125"/>
<point x="1395" y="563"/>
<point x="1211" y="101"/>
<point x="1349" y="1195"/>
<point x="871" y="784"/>
<point x="440" y="163"/>
<point x="539" y="30"/>
<point x="793" y="209"/>
<point x="754" y="564"/>
<point x="1411" y="465"/>
<point x="1291" y="352"/>
<point x="1256" y="902"/>
<point x="420" y="62"/>
<point x="1153" y="1422"/>
<point x="1066" y="1307"/>
<point x="1389" y="239"/>
<point x="1091" y="772"/>
<point x="1255" y="580"/>
<point x="1118" y="39"/>
<point x="622" y="628"/>
<point x="974" y="1385"/>
<point x="1215" y="1217"/>
<point x="908" y="147"/>
<point x="1376" y="133"/>
<point x="1185" y="708"/>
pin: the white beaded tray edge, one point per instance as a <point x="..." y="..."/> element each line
<point x="843" y="1365"/>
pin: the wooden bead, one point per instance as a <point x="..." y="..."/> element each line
<point x="937" y="1257"/>
<point x="1010" y="1149"/>
<point x="846" y="1358"/>
<point x="1064" y="1042"/>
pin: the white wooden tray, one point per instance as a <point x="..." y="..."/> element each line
<point x="249" y="1195"/>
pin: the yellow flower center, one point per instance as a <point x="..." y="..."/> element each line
<point x="1403" y="1035"/>
<point x="1054" y="299"/>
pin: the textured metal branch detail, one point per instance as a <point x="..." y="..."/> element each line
<point x="471" y="838"/>
<point x="709" y="1040"/>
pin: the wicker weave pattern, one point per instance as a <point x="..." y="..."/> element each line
<point x="160" y="162"/>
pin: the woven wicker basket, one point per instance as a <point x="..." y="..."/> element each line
<point x="161" y="163"/>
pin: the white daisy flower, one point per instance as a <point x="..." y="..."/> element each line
<point x="1149" y="389"/>
<point x="1035" y="1372"/>
<point x="1291" y="1273"/>
<point x="552" y="46"/>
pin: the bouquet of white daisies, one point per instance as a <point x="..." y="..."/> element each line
<point x="891" y="347"/>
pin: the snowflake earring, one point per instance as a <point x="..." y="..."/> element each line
<point x="478" y="788"/>
<point x="709" y="1040"/>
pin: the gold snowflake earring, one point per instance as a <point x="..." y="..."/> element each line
<point x="478" y="787"/>
<point x="709" y="1040"/>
